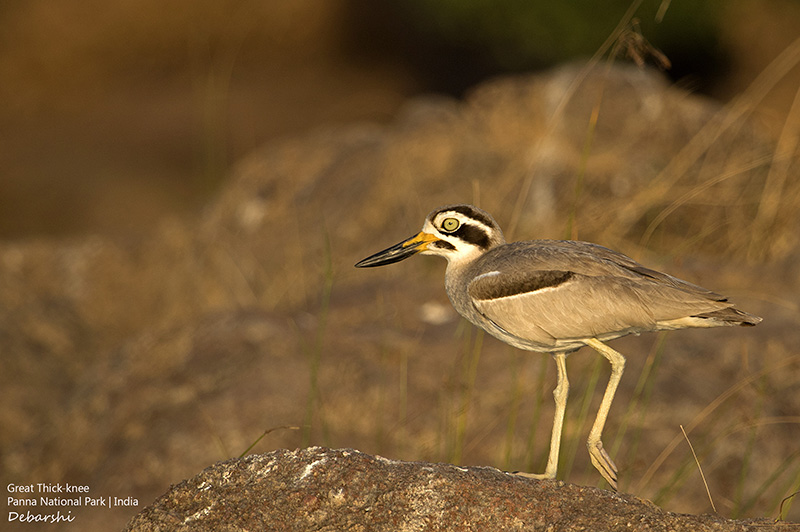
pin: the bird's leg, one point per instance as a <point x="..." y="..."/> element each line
<point x="600" y="459"/>
<point x="560" y="394"/>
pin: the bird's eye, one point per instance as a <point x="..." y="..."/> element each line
<point x="450" y="224"/>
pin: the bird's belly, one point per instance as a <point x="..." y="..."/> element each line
<point x="548" y="344"/>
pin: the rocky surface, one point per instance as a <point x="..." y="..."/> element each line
<point x="343" y="489"/>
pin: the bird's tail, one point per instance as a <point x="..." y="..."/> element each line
<point x="730" y="316"/>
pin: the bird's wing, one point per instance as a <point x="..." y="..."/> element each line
<point x="549" y="290"/>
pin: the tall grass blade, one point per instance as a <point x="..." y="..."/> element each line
<point x="313" y="404"/>
<point x="699" y="468"/>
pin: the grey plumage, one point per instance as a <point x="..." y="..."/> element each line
<point x="552" y="294"/>
<point x="556" y="296"/>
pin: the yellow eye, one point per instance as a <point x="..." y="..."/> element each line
<point x="450" y="224"/>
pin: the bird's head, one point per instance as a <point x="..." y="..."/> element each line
<point x="455" y="232"/>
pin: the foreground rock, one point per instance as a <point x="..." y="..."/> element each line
<point x="344" y="489"/>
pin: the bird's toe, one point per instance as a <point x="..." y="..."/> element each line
<point x="603" y="463"/>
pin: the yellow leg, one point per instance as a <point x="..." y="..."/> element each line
<point x="600" y="459"/>
<point x="560" y="394"/>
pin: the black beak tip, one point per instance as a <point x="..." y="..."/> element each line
<point x="391" y="255"/>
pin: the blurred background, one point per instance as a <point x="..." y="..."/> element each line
<point x="116" y="114"/>
<point x="185" y="187"/>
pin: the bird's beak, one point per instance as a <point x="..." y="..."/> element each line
<point x="399" y="252"/>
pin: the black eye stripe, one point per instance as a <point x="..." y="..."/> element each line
<point x="473" y="235"/>
<point x="441" y="244"/>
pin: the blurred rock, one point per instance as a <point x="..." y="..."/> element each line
<point x="128" y="364"/>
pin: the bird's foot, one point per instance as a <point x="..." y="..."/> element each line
<point x="602" y="462"/>
<point x="537" y="476"/>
